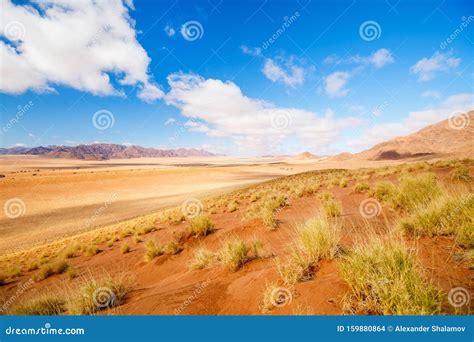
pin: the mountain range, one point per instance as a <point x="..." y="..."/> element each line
<point x="104" y="152"/>
<point x="449" y="137"/>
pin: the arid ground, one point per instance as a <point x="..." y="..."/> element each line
<point x="63" y="197"/>
<point x="266" y="237"/>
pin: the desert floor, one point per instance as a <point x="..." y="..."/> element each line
<point x="64" y="197"/>
<point x="166" y="284"/>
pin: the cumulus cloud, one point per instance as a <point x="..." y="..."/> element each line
<point x="381" y="58"/>
<point x="428" y="68"/>
<point x="220" y="109"/>
<point x="414" y="121"/>
<point x="335" y="83"/>
<point x="81" y="44"/>
<point x="288" y="73"/>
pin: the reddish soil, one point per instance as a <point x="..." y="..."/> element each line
<point x="167" y="286"/>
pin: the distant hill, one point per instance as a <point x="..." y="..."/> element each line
<point x="103" y="152"/>
<point x="437" y="139"/>
<point x="305" y="156"/>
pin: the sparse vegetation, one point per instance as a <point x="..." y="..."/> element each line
<point x="384" y="279"/>
<point x="201" y="226"/>
<point x="96" y="295"/>
<point x="153" y="250"/>
<point x="46" y="305"/>
<point x="236" y="252"/>
<point x="201" y="259"/>
<point x="460" y="173"/>
<point x="173" y="247"/>
<point x="51" y="269"/>
<point x="316" y="239"/>
<point x="361" y="187"/>
<point x="447" y="215"/>
<point x="125" y="248"/>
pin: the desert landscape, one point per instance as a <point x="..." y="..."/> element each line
<point x="385" y="231"/>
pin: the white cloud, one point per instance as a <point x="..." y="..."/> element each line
<point x="79" y="44"/>
<point x="377" y="59"/>
<point x="170" y="121"/>
<point x="381" y="58"/>
<point x="170" y="31"/>
<point x="431" y="93"/>
<point x="335" y="83"/>
<point x="288" y="74"/>
<point x="414" y="121"/>
<point x="219" y="109"/>
<point x="256" y="51"/>
<point x="427" y="68"/>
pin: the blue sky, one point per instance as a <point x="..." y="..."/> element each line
<point x="246" y="78"/>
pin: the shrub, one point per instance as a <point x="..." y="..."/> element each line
<point x="92" y="250"/>
<point x="49" y="270"/>
<point x="445" y="216"/>
<point x="201" y="259"/>
<point x="201" y="226"/>
<point x="232" y="206"/>
<point x="361" y="187"/>
<point x="234" y="254"/>
<point x="96" y="295"/>
<point x="152" y="250"/>
<point x="71" y="251"/>
<point x="416" y="191"/>
<point x="332" y="208"/>
<point x="318" y="238"/>
<point x="460" y="173"/>
<point x="384" y="191"/>
<point x="384" y="279"/>
<point x="173" y="247"/>
<point x="46" y="305"/>
<point x="343" y="182"/>
<point x="125" y="248"/>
